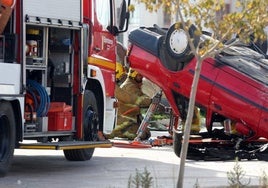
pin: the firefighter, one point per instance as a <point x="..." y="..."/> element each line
<point x="132" y="85"/>
<point x="121" y="70"/>
<point x="121" y="74"/>
<point x="8" y="3"/>
<point x="5" y="13"/>
<point x="131" y="99"/>
<point x="196" y="121"/>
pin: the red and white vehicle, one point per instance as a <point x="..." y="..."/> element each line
<point x="57" y="75"/>
<point x="232" y="91"/>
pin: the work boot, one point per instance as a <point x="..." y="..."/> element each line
<point x="146" y="134"/>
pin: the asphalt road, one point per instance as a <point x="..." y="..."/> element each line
<point x="112" y="167"/>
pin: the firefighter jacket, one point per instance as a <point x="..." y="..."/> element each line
<point x="132" y="94"/>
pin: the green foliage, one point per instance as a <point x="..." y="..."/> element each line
<point x="248" y="18"/>
<point x="196" y="185"/>
<point x="157" y="115"/>
<point x="236" y="176"/>
<point x="235" y="179"/>
<point x="264" y="180"/>
<point x="140" y="180"/>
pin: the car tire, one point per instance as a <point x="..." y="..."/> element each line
<point x="180" y="49"/>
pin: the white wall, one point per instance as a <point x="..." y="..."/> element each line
<point x="142" y="18"/>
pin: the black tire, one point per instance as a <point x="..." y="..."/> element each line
<point x="177" y="138"/>
<point x="184" y="55"/>
<point x="91" y="127"/>
<point x="7" y="136"/>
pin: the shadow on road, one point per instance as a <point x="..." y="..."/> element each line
<point x="112" y="167"/>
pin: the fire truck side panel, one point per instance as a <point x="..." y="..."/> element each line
<point x="10" y="79"/>
<point x="108" y="103"/>
<point x="103" y="43"/>
<point x="63" y="9"/>
<point x="102" y="57"/>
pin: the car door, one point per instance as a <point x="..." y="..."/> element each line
<point x="237" y="96"/>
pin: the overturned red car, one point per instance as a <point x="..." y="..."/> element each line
<point x="232" y="91"/>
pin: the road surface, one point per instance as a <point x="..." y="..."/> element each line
<point x="112" y="167"/>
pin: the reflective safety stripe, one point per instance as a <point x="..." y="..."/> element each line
<point x="66" y="145"/>
<point x="101" y="62"/>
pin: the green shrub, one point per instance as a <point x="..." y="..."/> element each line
<point x="140" y="180"/>
<point x="264" y="180"/>
<point x="236" y="176"/>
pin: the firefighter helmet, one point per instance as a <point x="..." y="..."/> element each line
<point x="132" y="73"/>
<point x="8" y="3"/>
<point x="120" y="71"/>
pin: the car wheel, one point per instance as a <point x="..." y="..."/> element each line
<point x="177" y="42"/>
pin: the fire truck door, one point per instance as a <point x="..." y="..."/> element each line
<point x="103" y="44"/>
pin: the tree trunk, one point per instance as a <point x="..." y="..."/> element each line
<point x="188" y="122"/>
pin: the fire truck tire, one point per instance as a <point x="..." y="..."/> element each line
<point x="7" y="136"/>
<point x="91" y="126"/>
<point x="177" y="138"/>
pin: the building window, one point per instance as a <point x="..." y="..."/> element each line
<point x="167" y="19"/>
<point x="226" y="10"/>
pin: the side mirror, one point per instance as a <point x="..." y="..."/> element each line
<point x="120" y="17"/>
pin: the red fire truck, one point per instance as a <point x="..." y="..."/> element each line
<point x="57" y="75"/>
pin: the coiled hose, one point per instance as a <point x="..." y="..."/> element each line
<point x="40" y="94"/>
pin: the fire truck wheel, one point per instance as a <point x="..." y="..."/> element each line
<point x="177" y="138"/>
<point x="178" y="44"/>
<point x="91" y="126"/>
<point x="7" y="136"/>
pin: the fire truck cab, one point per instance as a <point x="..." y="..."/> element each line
<point x="57" y="75"/>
